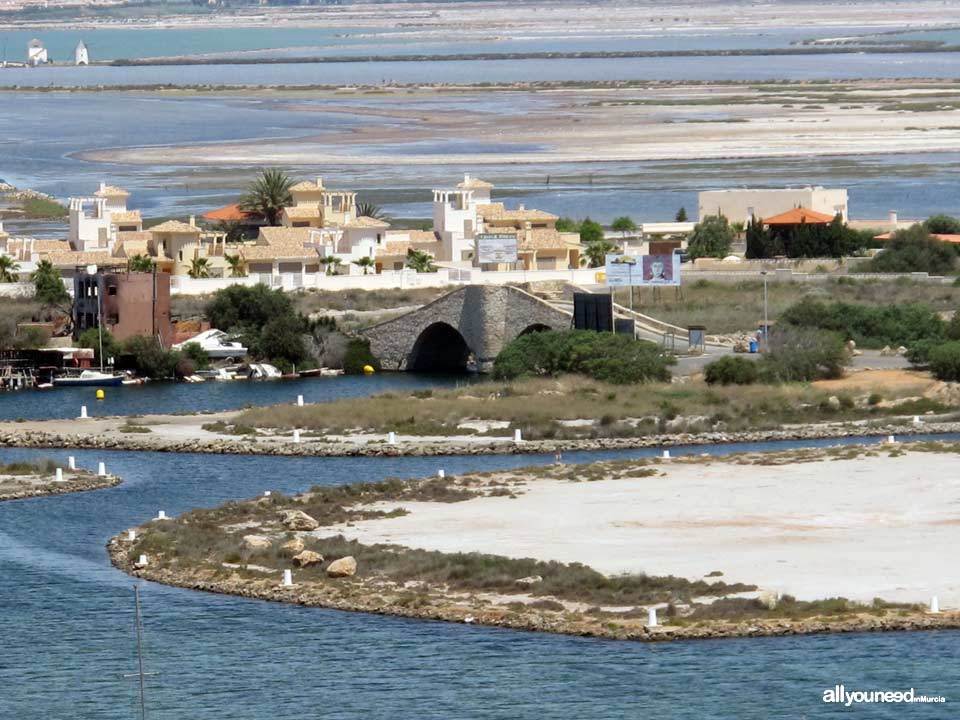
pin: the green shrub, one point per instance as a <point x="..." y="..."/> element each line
<point x="608" y="357"/>
<point x="867" y="325"/>
<point x="150" y="359"/>
<point x="358" y="354"/>
<point x="919" y="352"/>
<point x="945" y="361"/>
<point x="794" y="354"/>
<point x="711" y="237"/>
<point x="731" y="370"/>
<point x="942" y="224"/>
<point x="197" y="355"/>
<point x="913" y="250"/>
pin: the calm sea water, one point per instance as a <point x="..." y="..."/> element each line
<point x="67" y="633"/>
<point x="169" y="397"/>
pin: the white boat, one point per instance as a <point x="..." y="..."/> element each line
<point x="264" y="371"/>
<point x="93" y="378"/>
<point x="223" y="374"/>
<point x="216" y="344"/>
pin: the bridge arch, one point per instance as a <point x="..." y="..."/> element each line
<point x="534" y="328"/>
<point x="440" y="347"/>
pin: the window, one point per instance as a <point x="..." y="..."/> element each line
<point x="112" y="290"/>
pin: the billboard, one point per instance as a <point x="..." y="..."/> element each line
<point x="496" y="247"/>
<point x="643" y="270"/>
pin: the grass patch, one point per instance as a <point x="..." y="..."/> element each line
<point x="43" y="209"/>
<point x="132" y="428"/>
<point x="37" y="467"/>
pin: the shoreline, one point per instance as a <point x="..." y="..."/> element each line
<point x="80" y="482"/>
<point x="376" y="447"/>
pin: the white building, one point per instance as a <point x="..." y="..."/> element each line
<point x="456" y="218"/>
<point x="741" y="205"/>
<point x="36" y="53"/>
<point x="81" y="56"/>
<point x="95" y="221"/>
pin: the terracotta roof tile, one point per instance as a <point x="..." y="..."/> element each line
<point x="799" y="216"/>
<point x="175" y="226"/>
<point x="130" y="216"/>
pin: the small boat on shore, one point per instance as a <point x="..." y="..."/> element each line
<point x="264" y="371"/>
<point x="89" y="378"/>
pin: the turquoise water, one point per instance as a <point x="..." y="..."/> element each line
<point x="67" y="633"/>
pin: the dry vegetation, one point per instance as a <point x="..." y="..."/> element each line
<point x="544" y="408"/>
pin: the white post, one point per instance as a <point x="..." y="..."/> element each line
<point x="287" y="578"/>
<point x="517" y="436"/>
<point x="296" y="436"/>
<point x="162" y="515"/>
<point x="891" y="439"/>
<point x="266" y="493"/>
<point x="652" y="617"/>
<point x="143" y="560"/>
<point x="59" y="476"/>
<point x="131" y="535"/>
<point x="441" y="473"/>
<point x="935" y="604"/>
<point x="299" y="400"/>
<point x="102" y="469"/>
<point x="917" y="420"/>
<point x="83" y="412"/>
<point x="72" y="463"/>
<point x="666" y="455"/>
<point x="392" y="438"/>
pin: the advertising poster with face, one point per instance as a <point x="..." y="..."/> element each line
<point x="660" y="270"/>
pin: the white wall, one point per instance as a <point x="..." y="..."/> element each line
<point x="17" y="290"/>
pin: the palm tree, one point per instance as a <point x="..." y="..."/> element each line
<point x="597" y="252"/>
<point x="199" y="268"/>
<point x="238" y="266"/>
<point x="49" y="286"/>
<point x="8" y="269"/>
<point x="268" y="195"/>
<point x="140" y="263"/>
<point x="420" y="261"/>
<point x="331" y="261"/>
<point x="367" y="209"/>
<point x="738" y="228"/>
<point x="366" y="262"/>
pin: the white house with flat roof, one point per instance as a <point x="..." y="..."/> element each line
<point x="95" y="221"/>
<point x="743" y="204"/>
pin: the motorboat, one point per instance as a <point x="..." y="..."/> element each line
<point x="90" y="378"/>
<point x="264" y="371"/>
<point x="216" y="344"/>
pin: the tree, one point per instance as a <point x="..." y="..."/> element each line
<point x="199" y="268"/>
<point x="590" y="231"/>
<point x="711" y="237"/>
<point x="738" y="228"/>
<point x="197" y="355"/>
<point x="420" y="261"/>
<point x="150" y="358"/>
<point x="681" y="215"/>
<point x="282" y="340"/>
<point x="268" y="195"/>
<point x="758" y="239"/>
<point x="566" y="224"/>
<point x="794" y="354"/>
<point x="234" y="231"/>
<point x="49" y="286"/>
<point x="370" y="210"/>
<point x="942" y="225"/>
<point x="8" y="269"/>
<point x="90" y="338"/>
<point x="358" y="355"/>
<point x="238" y="266"/>
<point x="331" y="262"/>
<point x="241" y="309"/>
<point x="366" y="262"/>
<point x="914" y="250"/>
<point x="596" y="252"/>
<point x="623" y="225"/>
<point x="140" y="263"/>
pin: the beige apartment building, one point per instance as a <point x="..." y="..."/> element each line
<point x="743" y="204"/>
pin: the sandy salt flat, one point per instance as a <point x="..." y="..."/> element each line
<point x="871" y="527"/>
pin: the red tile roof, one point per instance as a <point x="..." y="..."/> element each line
<point x="230" y="213"/>
<point x="799" y="216"/>
<point x="943" y="238"/>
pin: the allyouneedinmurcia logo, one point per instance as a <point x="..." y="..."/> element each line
<point x="838" y="694"/>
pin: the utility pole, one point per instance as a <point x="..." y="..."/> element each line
<point x="766" y="321"/>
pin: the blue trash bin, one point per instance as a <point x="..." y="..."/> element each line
<point x="753" y="346"/>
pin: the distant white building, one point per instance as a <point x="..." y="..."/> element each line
<point x="95" y="221"/>
<point x="36" y="53"/>
<point x="81" y="56"/>
<point x="742" y="204"/>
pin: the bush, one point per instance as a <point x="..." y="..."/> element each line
<point x="942" y="225"/>
<point x="90" y="338"/>
<point x="868" y="326"/>
<point x="711" y="237"/>
<point x="150" y="359"/>
<point x="618" y="359"/>
<point x="945" y="361"/>
<point x="919" y="352"/>
<point x="358" y="354"/>
<point x="913" y="250"/>
<point x="794" y="354"/>
<point x="731" y="370"/>
<point x="196" y="355"/>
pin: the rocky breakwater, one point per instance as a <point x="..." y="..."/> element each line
<point x="19" y="488"/>
<point x="36" y="438"/>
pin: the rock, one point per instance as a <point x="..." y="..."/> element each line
<point x="834" y="402"/>
<point x="851" y="345"/>
<point x="344" y="567"/>
<point x="298" y="520"/>
<point x="293" y="546"/>
<point x="887" y="352"/>
<point x="528" y="582"/>
<point x="256" y="542"/>
<point x="901" y="350"/>
<point x="308" y="558"/>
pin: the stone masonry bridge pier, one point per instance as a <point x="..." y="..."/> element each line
<point x="472" y="322"/>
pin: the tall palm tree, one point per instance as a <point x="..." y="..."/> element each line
<point x="199" y="268"/>
<point x="8" y="269"/>
<point x="420" y="261"/>
<point x="238" y="266"/>
<point x="597" y="251"/>
<point x="140" y="263"/>
<point x="366" y="262"/>
<point x="368" y="209"/>
<point x="268" y="195"/>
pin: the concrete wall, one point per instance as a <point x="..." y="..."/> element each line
<point x="17" y="290"/>
<point x="736" y="205"/>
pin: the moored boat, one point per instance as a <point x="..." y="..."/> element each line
<point x="90" y="378"/>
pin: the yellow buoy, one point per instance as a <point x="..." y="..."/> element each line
<point x="101" y="394"/>
<point x="368" y="370"/>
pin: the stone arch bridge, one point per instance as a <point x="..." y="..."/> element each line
<point x="471" y="323"/>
